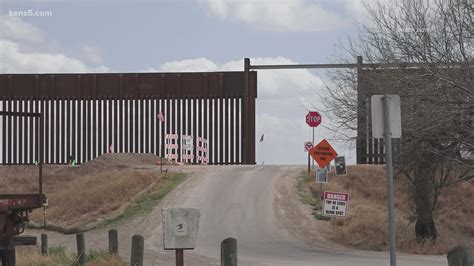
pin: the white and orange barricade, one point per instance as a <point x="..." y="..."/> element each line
<point x="202" y="150"/>
<point x="171" y="146"/>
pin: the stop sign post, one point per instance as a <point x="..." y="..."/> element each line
<point x="313" y="119"/>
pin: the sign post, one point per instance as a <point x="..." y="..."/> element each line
<point x="161" y="119"/>
<point x="390" y="105"/>
<point x="308" y="145"/>
<point x="180" y="228"/>
<point x="313" y="119"/>
<point x="335" y="203"/>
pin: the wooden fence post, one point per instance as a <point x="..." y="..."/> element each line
<point x="44" y="245"/>
<point x="229" y="252"/>
<point x="81" y="249"/>
<point x="138" y="243"/>
<point x="113" y="242"/>
<point x="460" y="256"/>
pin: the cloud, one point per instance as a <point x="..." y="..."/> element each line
<point x="358" y="8"/>
<point x="188" y="65"/>
<point x="281" y="107"/>
<point x="272" y="84"/>
<point x="13" y="60"/>
<point x="290" y="16"/>
<point x="22" y="50"/>
<point x="91" y="54"/>
<point x="13" y="28"/>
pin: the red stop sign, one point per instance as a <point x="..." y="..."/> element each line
<point x="313" y="119"/>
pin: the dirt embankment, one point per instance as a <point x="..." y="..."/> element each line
<point x="79" y="195"/>
<point x="365" y="226"/>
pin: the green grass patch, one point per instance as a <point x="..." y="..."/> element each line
<point x="313" y="199"/>
<point x="102" y="257"/>
<point x="60" y="255"/>
<point x="303" y="192"/>
<point x="147" y="202"/>
<point x="94" y="255"/>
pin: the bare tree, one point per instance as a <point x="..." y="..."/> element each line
<point x="422" y="50"/>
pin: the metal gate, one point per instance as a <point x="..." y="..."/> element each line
<point x="86" y="115"/>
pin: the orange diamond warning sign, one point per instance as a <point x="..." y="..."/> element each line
<point x="323" y="153"/>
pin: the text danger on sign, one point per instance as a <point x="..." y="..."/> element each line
<point x="336" y="196"/>
<point x="335" y="203"/>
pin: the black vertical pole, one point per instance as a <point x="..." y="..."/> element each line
<point x="33" y="123"/>
<point x="4" y="133"/>
<point x="136" y="136"/>
<point x="99" y="129"/>
<point x="15" y="135"/>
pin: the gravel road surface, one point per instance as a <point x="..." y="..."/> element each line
<point x="249" y="204"/>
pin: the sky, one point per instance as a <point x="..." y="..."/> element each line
<point x="54" y="36"/>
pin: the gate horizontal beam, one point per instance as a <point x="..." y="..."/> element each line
<point x="124" y="86"/>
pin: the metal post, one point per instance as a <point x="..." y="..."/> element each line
<point x="313" y="144"/>
<point x="179" y="257"/>
<point x="10" y="251"/>
<point x="44" y="245"/>
<point x="245" y="114"/>
<point x="138" y="244"/>
<point x="39" y="151"/>
<point x="388" y="156"/>
<point x="309" y="165"/>
<point x="81" y="249"/>
<point x="229" y="252"/>
<point x="113" y="241"/>
<point x="40" y="178"/>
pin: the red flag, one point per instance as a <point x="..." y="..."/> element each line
<point x="261" y="138"/>
<point x="160" y="117"/>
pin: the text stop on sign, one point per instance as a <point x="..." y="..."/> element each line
<point x="313" y="119"/>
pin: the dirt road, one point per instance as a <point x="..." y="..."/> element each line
<point x="249" y="204"/>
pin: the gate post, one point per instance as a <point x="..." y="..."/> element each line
<point x="361" y="142"/>
<point x="229" y="252"/>
<point x="248" y="113"/>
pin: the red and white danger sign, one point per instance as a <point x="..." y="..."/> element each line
<point x="335" y="203"/>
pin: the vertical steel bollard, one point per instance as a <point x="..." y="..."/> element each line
<point x="113" y="242"/>
<point x="138" y="243"/>
<point x="229" y="252"/>
<point x="460" y="256"/>
<point x="81" y="249"/>
<point x="44" y="245"/>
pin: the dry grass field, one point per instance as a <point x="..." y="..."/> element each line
<point x="31" y="256"/>
<point x="79" y="195"/>
<point x="365" y="227"/>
